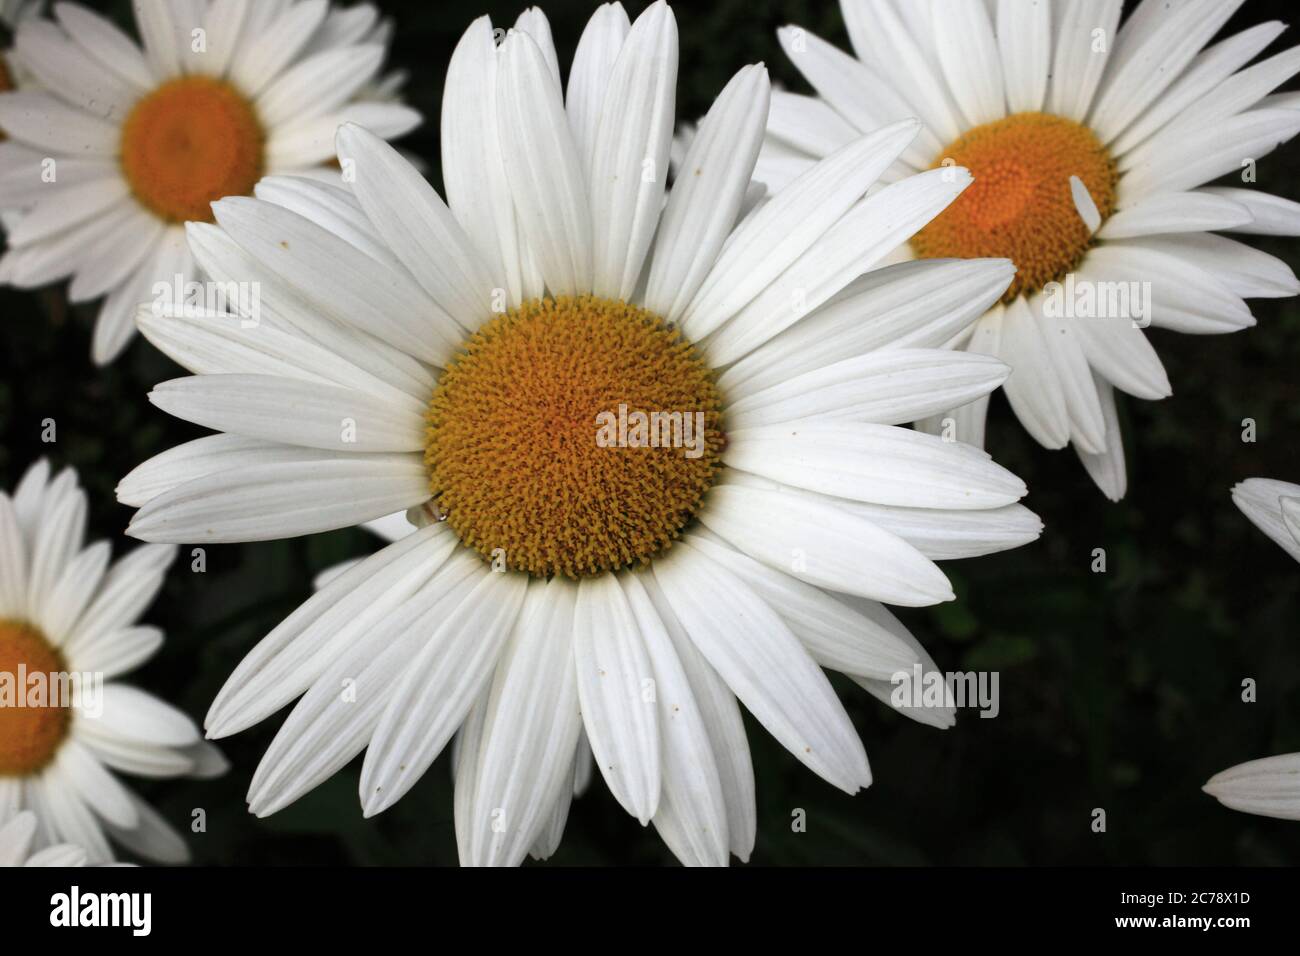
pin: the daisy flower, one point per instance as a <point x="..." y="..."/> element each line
<point x="67" y="631"/>
<point x="16" y="840"/>
<point x="474" y="362"/>
<point x="1269" y="786"/>
<point x="1091" y="145"/>
<point x="122" y="145"/>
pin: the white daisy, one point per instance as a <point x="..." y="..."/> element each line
<point x="1091" y="145"/>
<point x="459" y="360"/>
<point x="67" y="615"/>
<point x="16" y="840"/>
<point x="1270" y="786"/>
<point x="124" y="145"/>
<point x="1274" y="508"/>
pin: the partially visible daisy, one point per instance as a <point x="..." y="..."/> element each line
<point x="1274" y="508"/>
<point x="68" y="619"/>
<point x="122" y="146"/>
<point x="1269" y="786"/>
<point x="1091" y="145"/>
<point x="17" y="838"/>
<point x="479" y="362"/>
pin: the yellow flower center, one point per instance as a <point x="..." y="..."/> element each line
<point x="191" y="142"/>
<point x="573" y="436"/>
<point x="1020" y="206"/>
<point x="30" y="735"/>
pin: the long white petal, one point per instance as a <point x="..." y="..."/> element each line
<point x="765" y="665"/>
<point x="615" y="688"/>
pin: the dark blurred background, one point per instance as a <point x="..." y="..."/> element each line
<point x="1119" y="690"/>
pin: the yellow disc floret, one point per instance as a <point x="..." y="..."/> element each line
<point x="573" y="436"/>
<point x="1020" y="206"/>
<point x="32" y="725"/>
<point x="191" y="142"/>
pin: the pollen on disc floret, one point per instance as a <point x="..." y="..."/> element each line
<point x="30" y="733"/>
<point x="519" y="463"/>
<point x="189" y="143"/>
<point x="1020" y="206"/>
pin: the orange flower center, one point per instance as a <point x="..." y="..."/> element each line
<point x="573" y="436"/>
<point x="191" y="142"/>
<point x="32" y="727"/>
<point x="1020" y="206"/>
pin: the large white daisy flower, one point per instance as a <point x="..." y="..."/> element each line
<point x="124" y="145"/>
<point x="1091" y="145"/>
<point x="67" y="632"/>
<point x="1269" y="786"/>
<point x="475" y="362"/>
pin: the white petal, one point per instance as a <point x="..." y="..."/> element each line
<point x="589" y="75"/>
<point x="440" y="684"/>
<point x="1175" y="212"/>
<point x="836" y="636"/>
<point x="472" y="164"/>
<point x="300" y="649"/>
<point x="1108" y="469"/>
<point x="106" y="43"/>
<point x="876" y="226"/>
<point x="337" y="717"/>
<point x="43" y="122"/>
<point x="785" y="227"/>
<point x="1025" y="44"/>
<point x="284" y="500"/>
<point x="919" y="304"/>
<point x="629" y="157"/>
<point x="764" y="664"/>
<point x="524" y="765"/>
<point x="723" y="722"/>
<point x="1034" y="389"/>
<point x="878" y="463"/>
<point x="824" y="545"/>
<point x="968" y="52"/>
<point x="1085" y="35"/>
<point x="127" y="589"/>
<point x="343" y="284"/>
<point x="1149" y="56"/>
<point x="418" y="226"/>
<point x="266" y="52"/>
<point x="614" y="672"/>
<point x="543" y="168"/>
<point x="1269" y="787"/>
<point x="1260" y="500"/>
<point x="136" y="716"/>
<point x="889" y="387"/>
<point x="708" y="194"/>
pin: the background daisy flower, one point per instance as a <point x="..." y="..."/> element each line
<point x="123" y="144"/>
<point x="64" y="609"/>
<point x="455" y="358"/>
<point x="1091" y="144"/>
<point x="1270" y="786"/>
